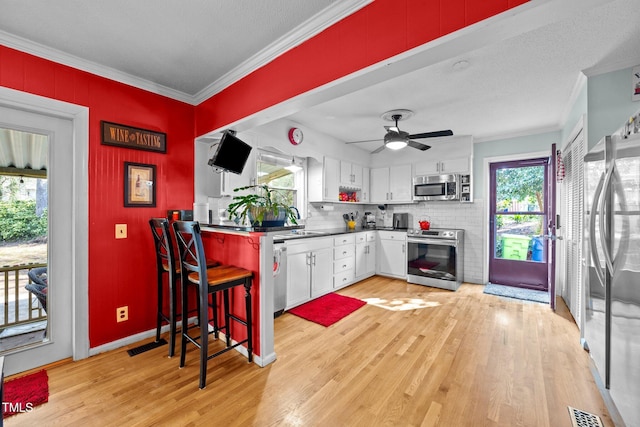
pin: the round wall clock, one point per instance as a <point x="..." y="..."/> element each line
<point x="295" y="136"/>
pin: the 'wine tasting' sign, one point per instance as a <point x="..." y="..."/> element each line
<point x="130" y="137"/>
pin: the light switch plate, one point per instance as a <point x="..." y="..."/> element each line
<point x="121" y="231"/>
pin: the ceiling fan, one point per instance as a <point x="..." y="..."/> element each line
<point x="395" y="139"/>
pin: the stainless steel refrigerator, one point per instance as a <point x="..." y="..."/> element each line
<point x="612" y="277"/>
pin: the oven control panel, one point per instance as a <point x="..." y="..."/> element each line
<point x="442" y="234"/>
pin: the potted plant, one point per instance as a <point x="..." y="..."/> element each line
<point x="262" y="207"/>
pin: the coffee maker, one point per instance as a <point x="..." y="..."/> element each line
<point x="369" y="220"/>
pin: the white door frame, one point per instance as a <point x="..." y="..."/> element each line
<point x="79" y="152"/>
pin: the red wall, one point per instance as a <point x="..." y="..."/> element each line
<point x="356" y="42"/>
<point x="121" y="272"/>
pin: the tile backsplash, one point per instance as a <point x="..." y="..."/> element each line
<point x="465" y="216"/>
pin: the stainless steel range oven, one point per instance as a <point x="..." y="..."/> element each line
<point x="435" y="257"/>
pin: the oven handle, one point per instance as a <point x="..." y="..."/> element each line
<point x="443" y="242"/>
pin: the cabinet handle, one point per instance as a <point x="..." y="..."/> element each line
<point x="344" y="279"/>
<point x="442" y="166"/>
<point x="403" y="248"/>
<point x="344" y="265"/>
<point x="391" y="198"/>
<point x="308" y="259"/>
<point x="344" y="252"/>
<point x="314" y="259"/>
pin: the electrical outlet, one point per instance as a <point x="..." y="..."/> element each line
<point x="122" y="313"/>
<point x="121" y="231"/>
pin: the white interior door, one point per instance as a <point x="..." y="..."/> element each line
<point x="572" y="229"/>
<point x="58" y="344"/>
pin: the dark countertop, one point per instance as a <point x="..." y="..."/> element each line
<point x="235" y="227"/>
<point x="325" y="232"/>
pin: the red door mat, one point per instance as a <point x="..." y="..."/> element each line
<point x="327" y="309"/>
<point x="24" y="393"/>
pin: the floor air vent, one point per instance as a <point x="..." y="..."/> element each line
<point x="584" y="419"/>
<point x="146" y="347"/>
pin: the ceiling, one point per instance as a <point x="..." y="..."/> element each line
<point x="521" y="76"/>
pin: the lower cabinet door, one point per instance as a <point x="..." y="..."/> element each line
<point x="298" y="278"/>
<point x="321" y="272"/>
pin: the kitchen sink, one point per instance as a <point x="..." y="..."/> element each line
<point x="293" y="234"/>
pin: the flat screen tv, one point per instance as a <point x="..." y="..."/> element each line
<point x="231" y="155"/>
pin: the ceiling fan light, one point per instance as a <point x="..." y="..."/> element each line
<point x="396" y="144"/>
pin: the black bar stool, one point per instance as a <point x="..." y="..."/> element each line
<point x="167" y="263"/>
<point x="209" y="281"/>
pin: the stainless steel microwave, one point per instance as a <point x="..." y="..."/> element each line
<point x="436" y="187"/>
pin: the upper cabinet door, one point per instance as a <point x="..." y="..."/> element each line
<point x="379" y="185"/>
<point x="331" y="172"/>
<point x="365" y="194"/>
<point x="350" y="175"/>
<point x="400" y="184"/>
<point x="356" y="171"/>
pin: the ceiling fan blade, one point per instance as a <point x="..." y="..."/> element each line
<point x="366" y="140"/>
<point x="422" y="147"/>
<point x="436" y="134"/>
<point x="377" y="150"/>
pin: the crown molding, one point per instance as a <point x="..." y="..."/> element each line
<point x="73" y="61"/>
<point x="304" y="31"/>
<point x="297" y="36"/>
<point x="611" y="67"/>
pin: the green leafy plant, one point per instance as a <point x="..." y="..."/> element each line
<point x="262" y="205"/>
<point x="19" y="222"/>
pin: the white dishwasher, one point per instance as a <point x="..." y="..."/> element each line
<point x="279" y="277"/>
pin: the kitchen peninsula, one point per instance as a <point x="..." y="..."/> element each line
<point x="250" y="248"/>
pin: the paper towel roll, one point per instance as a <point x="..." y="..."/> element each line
<point x="201" y="212"/>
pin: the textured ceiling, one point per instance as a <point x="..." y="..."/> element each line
<point x="520" y="85"/>
<point x="523" y="66"/>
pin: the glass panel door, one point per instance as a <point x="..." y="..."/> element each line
<point x="518" y="221"/>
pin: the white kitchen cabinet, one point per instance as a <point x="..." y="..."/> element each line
<point x="343" y="260"/>
<point x="392" y="255"/>
<point x="455" y="165"/>
<point x="365" y="193"/>
<point x="391" y="185"/>
<point x="365" y="255"/>
<point x="322" y="178"/>
<point x="350" y="175"/>
<point x="308" y="269"/>
<point x="321" y="277"/>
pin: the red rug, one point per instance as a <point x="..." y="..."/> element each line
<point x="327" y="309"/>
<point x="24" y="393"/>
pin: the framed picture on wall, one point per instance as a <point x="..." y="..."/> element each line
<point x="139" y="185"/>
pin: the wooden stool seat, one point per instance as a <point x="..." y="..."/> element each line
<point x="221" y="275"/>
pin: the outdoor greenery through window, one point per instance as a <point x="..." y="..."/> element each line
<point x="285" y="178"/>
<point x="520" y="213"/>
<point x="23" y="209"/>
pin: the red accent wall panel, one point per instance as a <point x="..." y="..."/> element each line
<point x="240" y="251"/>
<point x="380" y="30"/>
<point x="121" y="272"/>
<point x="423" y="21"/>
<point x="478" y="10"/>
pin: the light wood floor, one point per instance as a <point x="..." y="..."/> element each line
<point x="465" y="359"/>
